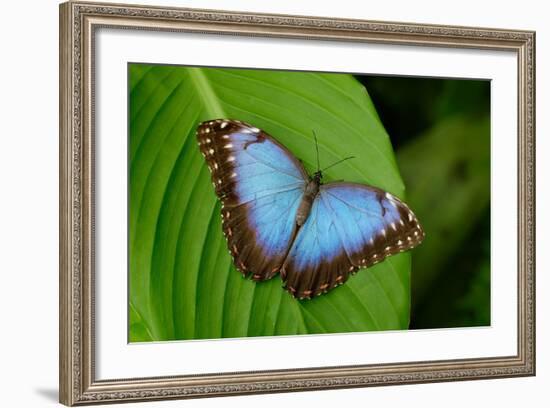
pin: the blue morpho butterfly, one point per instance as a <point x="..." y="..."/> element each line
<point x="277" y="218"/>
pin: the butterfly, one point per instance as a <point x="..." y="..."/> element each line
<point x="278" y="219"/>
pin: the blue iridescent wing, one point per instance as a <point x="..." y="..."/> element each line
<point x="350" y="226"/>
<point x="260" y="184"/>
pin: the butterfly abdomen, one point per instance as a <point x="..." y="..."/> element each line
<point x="311" y="191"/>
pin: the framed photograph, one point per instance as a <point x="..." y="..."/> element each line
<point x="256" y="203"/>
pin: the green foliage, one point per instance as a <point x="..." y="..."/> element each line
<point x="447" y="171"/>
<point x="182" y="282"/>
<point x="460" y="296"/>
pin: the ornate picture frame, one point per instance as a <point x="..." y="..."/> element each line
<point x="79" y="22"/>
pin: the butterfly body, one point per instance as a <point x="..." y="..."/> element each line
<point x="310" y="193"/>
<point x="278" y="219"/>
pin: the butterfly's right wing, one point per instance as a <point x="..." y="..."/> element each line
<point x="350" y="226"/>
<point x="260" y="185"/>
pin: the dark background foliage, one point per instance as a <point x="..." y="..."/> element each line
<point x="440" y="130"/>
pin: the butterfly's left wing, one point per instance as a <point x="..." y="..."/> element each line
<point x="260" y="184"/>
<point x="350" y="226"/>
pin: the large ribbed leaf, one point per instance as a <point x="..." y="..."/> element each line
<point x="182" y="282"/>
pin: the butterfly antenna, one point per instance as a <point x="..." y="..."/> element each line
<point x="316" y="148"/>
<point x="338" y="162"/>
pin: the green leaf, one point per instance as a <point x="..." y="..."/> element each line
<point x="182" y="282"/>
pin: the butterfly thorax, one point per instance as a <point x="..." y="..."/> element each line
<point x="310" y="192"/>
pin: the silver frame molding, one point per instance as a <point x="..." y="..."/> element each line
<point x="78" y="22"/>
